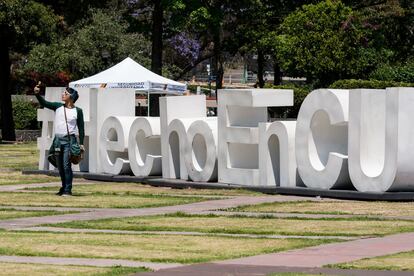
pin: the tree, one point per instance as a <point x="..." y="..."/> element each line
<point x="93" y="46"/>
<point x="22" y="25"/>
<point x="325" y="42"/>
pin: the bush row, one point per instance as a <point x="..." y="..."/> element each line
<point x="25" y="114"/>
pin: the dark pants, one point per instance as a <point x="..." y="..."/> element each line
<point x="64" y="166"/>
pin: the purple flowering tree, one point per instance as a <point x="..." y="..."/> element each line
<point x="186" y="47"/>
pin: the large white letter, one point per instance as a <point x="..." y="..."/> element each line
<point x="277" y="161"/>
<point x="381" y="135"/>
<point x="239" y="113"/>
<point x="144" y="146"/>
<point x="113" y="150"/>
<point x="321" y="139"/>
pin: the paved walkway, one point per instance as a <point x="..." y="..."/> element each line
<point x="249" y="270"/>
<point x="299" y="260"/>
<point x="119" y="213"/>
<point x="85" y="261"/>
<point x="334" y="253"/>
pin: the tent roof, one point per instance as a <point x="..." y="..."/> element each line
<point x="130" y="74"/>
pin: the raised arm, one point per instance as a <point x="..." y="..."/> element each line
<point x="43" y="102"/>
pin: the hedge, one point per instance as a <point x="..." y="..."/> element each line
<point x="399" y="73"/>
<point x="24" y="114"/>
<point x="300" y="93"/>
<point x="373" y="84"/>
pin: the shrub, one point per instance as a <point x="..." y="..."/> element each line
<point x="373" y="84"/>
<point x="400" y="73"/>
<point x="24" y="114"/>
<point x="300" y="93"/>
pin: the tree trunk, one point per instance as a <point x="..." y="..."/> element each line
<point x="156" y="53"/>
<point x="260" y="68"/>
<point x="218" y="62"/>
<point x="278" y="75"/>
<point x="157" y="29"/>
<point x="7" y="122"/>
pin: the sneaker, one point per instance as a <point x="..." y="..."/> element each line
<point x="66" y="194"/>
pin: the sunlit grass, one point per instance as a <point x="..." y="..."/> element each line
<point x="12" y="214"/>
<point x="148" y="248"/>
<point x="378" y="208"/>
<point x="92" y="200"/>
<point x="16" y="177"/>
<point x="18" y="269"/>
<point x="140" y="189"/>
<point x="400" y="261"/>
<point x="19" y="156"/>
<point x="246" y="225"/>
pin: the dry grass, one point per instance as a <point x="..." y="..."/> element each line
<point x="92" y="201"/>
<point x="155" y="248"/>
<point x="140" y="189"/>
<point x="379" y="208"/>
<point x="12" y="214"/>
<point x="400" y="261"/>
<point x="221" y="224"/>
<point x="19" y="156"/>
<point x="16" y="269"/>
<point x="15" y="177"/>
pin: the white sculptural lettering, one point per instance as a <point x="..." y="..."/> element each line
<point x="241" y="147"/>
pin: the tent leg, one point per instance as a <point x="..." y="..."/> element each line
<point x="148" y="103"/>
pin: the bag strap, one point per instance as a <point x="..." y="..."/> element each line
<point x="66" y="120"/>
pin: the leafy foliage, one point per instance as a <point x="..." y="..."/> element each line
<point x="398" y="73"/>
<point x="95" y="45"/>
<point x="373" y="84"/>
<point x="24" y="114"/>
<point x="299" y="92"/>
<point x="325" y="42"/>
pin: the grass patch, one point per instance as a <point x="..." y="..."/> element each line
<point x="16" y="177"/>
<point x="18" y="269"/>
<point x="377" y="208"/>
<point x="247" y="225"/>
<point x="93" y="201"/>
<point x="400" y="261"/>
<point x="148" y="248"/>
<point x="13" y="214"/>
<point x="140" y="189"/>
<point x="19" y="156"/>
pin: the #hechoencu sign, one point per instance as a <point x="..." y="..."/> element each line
<point x="341" y="138"/>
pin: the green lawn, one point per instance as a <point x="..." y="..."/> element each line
<point x="10" y="177"/>
<point x="246" y="225"/>
<point x="400" y="261"/>
<point x="12" y="214"/>
<point x="17" y="269"/>
<point x="14" y="159"/>
<point x="148" y="248"/>
<point x="92" y="200"/>
<point x="362" y="208"/>
<point x="19" y="156"/>
<point x="140" y="189"/>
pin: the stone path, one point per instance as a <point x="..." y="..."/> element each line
<point x="119" y="213"/>
<point x="308" y="260"/>
<point x="210" y="269"/>
<point x="317" y="256"/>
<point x="85" y="261"/>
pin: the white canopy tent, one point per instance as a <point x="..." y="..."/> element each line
<point x="130" y="74"/>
